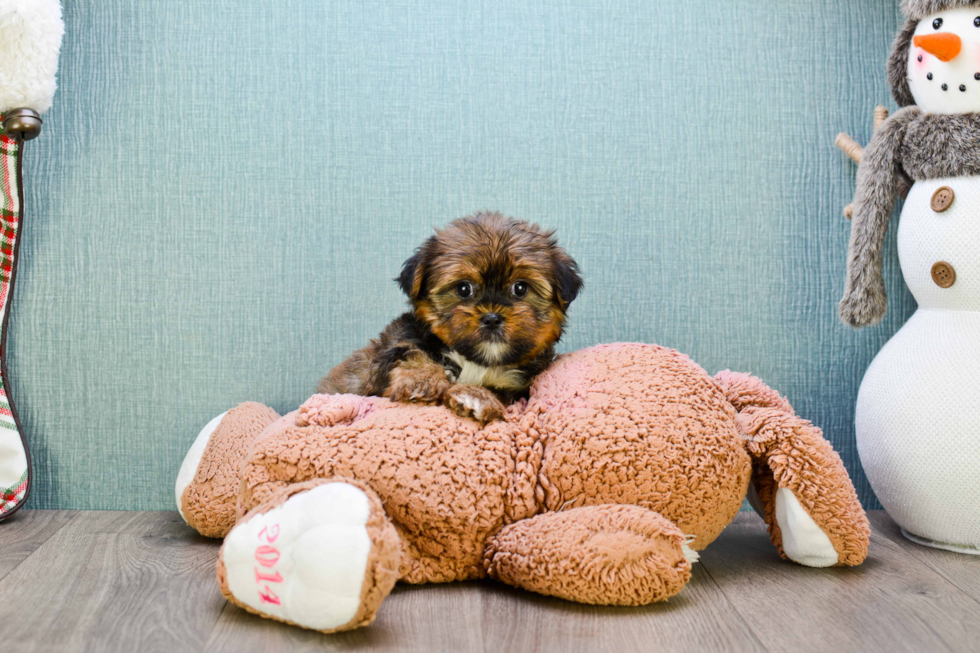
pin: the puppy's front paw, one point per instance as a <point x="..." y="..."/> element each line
<point x="422" y="386"/>
<point x="474" y="401"/>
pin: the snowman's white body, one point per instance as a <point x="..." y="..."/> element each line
<point x="918" y="410"/>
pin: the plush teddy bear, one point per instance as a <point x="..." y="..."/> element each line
<point x="600" y="488"/>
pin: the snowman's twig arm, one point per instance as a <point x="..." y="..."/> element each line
<point x="853" y="149"/>
<point x="879" y="176"/>
<point x="850" y="147"/>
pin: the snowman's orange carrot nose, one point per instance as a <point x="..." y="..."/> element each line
<point x="944" y="45"/>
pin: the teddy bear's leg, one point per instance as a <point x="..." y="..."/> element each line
<point x="209" y="479"/>
<point x="320" y="554"/>
<point x="799" y="484"/>
<point x="604" y="555"/>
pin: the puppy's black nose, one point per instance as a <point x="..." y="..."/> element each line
<point x="491" y="320"/>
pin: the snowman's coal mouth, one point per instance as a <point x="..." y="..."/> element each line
<point x="945" y="86"/>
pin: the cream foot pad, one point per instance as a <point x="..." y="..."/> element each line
<point x="304" y="561"/>
<point x="803" y="541"/>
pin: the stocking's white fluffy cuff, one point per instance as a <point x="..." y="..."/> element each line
<point x="30" y="40"/>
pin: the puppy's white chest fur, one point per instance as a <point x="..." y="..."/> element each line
<point x="504" y="378"/>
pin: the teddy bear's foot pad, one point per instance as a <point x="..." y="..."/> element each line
<point x="323" y="557"/>
<point x="803" y="541"/>
<point x="304" y="561"/>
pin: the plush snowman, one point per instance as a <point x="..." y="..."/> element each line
<point x="918" y="410"/>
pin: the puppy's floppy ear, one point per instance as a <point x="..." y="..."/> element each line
<point x="568" y="280"/>
<point x="414" y="271"/>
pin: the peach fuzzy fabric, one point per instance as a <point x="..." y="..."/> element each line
<point x="611" y="555"/>
<point x="611" y="424"/>
<point x="586" y="491"/>
<point x="210" y="499"/>
<point x="791" y="452"/>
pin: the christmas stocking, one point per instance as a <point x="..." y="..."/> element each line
<point x="30" y="41"/>
<point x="15" y="467"/>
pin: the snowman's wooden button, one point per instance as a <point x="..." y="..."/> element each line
<point x="943" y="274"/>
<point x="942" y="199"/>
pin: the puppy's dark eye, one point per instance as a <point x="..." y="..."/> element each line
<point x="936" y="24"/>
<point x="520" y="289"/>
<point x="464" y="289"/>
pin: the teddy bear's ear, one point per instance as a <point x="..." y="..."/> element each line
<point x="568" y="280"/>
<point x="415" y="270"/>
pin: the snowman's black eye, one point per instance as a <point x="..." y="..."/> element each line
<point x="936" y="24"/>
<point x="976" y="21"/>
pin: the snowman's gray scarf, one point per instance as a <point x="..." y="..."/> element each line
<point x="921" y="146"/>
<point x="936" y="145"/>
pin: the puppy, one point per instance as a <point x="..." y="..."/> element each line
<point x="489" y="296"/>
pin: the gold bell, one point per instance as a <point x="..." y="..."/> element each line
<point x="22" y="124"/>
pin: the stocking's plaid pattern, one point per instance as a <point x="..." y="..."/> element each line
<point x="14" y="465"/>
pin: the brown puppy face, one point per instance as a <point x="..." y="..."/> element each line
<point x="492" y="288"/>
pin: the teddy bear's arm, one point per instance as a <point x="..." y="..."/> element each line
<point x="603" y="555"/>
<point x="803" y="491"/>
<point x="799" y="484"/>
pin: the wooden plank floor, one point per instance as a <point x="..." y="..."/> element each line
<point x="142" y="581"/>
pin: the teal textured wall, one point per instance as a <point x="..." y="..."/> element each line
<point x="225" y="189"/>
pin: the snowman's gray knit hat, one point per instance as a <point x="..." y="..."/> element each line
<point x="898" y="61"/>
<point x="919" y="9"/>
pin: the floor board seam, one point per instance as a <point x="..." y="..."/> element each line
<point x="884" y="540"/>
<point x="910" y="552"/>
<point x="952" y="583"/>
<point x="732" y="606"/>
<point x="40" y="546"/>
<point x="904" y="581"/>
<point x="217" y="622"/>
